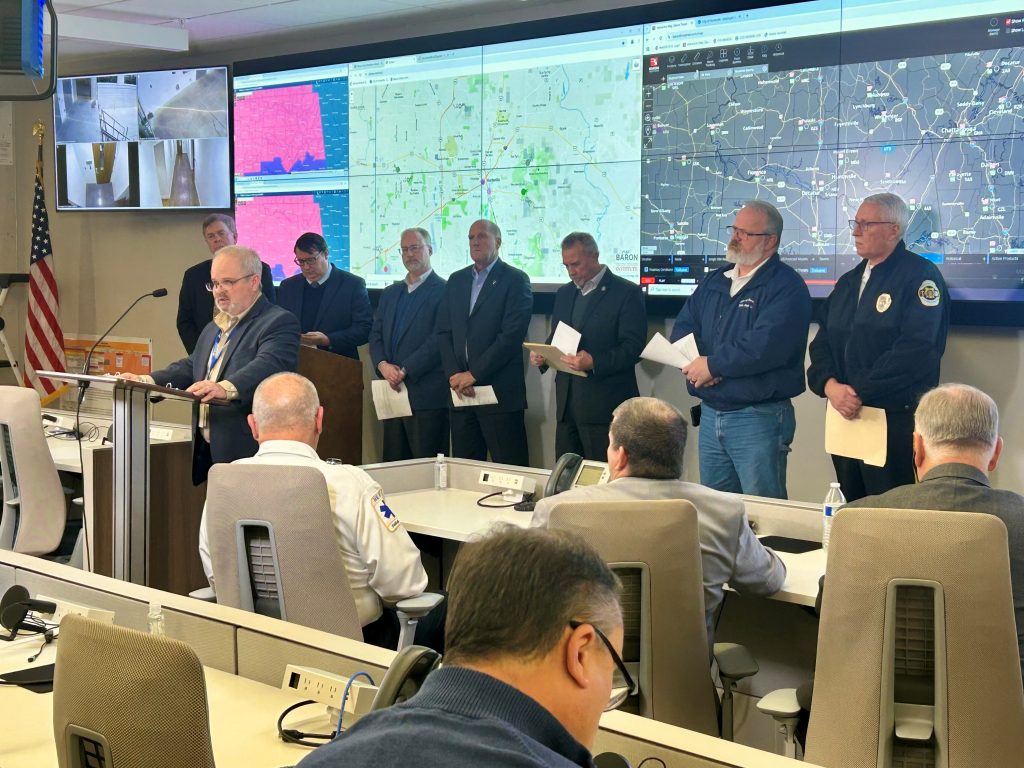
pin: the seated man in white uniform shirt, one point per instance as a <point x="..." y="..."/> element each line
<point x="382" y="562"/>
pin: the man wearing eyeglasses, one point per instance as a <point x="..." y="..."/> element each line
<point x="750" y="323"/>
<point x="404" y="352"/>
<point x="248" y="340"/>
<point x="533" y="638"/>
<point x="881" y="338"/>
<point x="332" y="305"/>
<point x="195" y="303"/>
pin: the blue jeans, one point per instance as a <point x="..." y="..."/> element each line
<point x="745" y="451"/>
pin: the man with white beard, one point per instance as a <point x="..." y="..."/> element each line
<point x="750" y="323"/>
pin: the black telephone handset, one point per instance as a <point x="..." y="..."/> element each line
<point x="563" y="474"/>
<point x="405" y="675"/>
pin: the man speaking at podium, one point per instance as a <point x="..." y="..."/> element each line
<point x="248" y="340"/>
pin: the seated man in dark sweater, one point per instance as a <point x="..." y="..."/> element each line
<point x="534" y="635"/>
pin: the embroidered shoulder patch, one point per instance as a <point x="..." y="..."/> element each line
<point x="929" y="294"/>
<point x="388" y="518"/>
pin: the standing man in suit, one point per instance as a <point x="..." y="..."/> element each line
<point x="609" y="313"/>
<point x="481" y="326"/>
<point x="246" y="342"/>
<point x="332" y="305"/>
<point x="195" y="303"/>
<point x="404" y="351"/>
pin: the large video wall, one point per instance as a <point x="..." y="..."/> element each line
<point x="651" y="137"/>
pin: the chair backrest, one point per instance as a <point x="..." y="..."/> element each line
<point x="654" y="546"/>
<point x="916" y="635"/>
<point x="125" y="699"/>
<point x="274" y="548"/>
<point x="34" y="512"/>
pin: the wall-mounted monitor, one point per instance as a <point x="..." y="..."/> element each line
<point x="143" y="140"/>
<point x="651" y="135"/>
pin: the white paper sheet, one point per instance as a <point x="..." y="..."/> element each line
<point x="678" y="355"/>
<point x="566" y="338"/>
<point x="552" y="357"/>
<point x="864" y="437"/>
<point x="481" y="396"/>
<point x="388" y="403"/>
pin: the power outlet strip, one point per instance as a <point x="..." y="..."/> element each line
<point x="66" y="608"/>
<point x="508" y="481"/>
<point x="328" y="688"/>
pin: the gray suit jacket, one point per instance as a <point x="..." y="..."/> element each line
<point x="730" y="552"/>
<point x="963" y="488"/>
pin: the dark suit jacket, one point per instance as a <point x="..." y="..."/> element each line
<point x="344" y="315"/>
<point x="614" y="331"/>
<point x="493" y="334"/>
<point x="416" y="348"/>
<point x="195" y="303"/>
<point x="265" y="342"/>
<point x="963" y="488"/>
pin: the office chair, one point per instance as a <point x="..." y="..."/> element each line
<point x="917" y="661"/>
<point x="34" y="514"/>
<point x="654" y="547"/>
<point x="274" y="550"/>
<point x="125" y="699"/>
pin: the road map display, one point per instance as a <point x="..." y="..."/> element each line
<point x="651" y="137"/>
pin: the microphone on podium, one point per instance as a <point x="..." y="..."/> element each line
<point x="157" y="294"/>
<point x="84" y="385"/>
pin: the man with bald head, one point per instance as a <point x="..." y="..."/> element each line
<point x="481" y="326"/>
<point x="248" y="340"/>
<point x="382" y="563"/>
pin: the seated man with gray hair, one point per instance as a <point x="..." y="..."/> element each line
<point x="382" y="563"/>
<point x="956" y="446"/>
<point x="645" y="459"/>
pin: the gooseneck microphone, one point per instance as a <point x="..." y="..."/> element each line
<point x="84" y="385"/>
<point x="157" y="294"/>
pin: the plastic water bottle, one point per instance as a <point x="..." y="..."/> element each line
<point x="834" y="499"/>
<point x="440" y="473"/>
<point x="156" y="620"/>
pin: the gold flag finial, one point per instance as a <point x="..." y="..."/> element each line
<point x="38" y="130"/>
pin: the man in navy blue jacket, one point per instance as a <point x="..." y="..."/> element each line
<point x="332" y="305"/>
<point x="481" y="326"/>
<point x="404" y="351"/>
<point x="750" y="323"/>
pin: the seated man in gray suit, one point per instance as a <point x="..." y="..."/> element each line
<point x="645" y="459"/>
<point x="956" y="446"/>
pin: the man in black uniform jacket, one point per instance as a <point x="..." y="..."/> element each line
<point x="882" y="335"/>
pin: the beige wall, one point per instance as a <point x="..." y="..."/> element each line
<point x="106" y="259"/>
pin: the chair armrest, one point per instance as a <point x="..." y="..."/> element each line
<point x="780" y="703"/>
<point x="734" y="661"/>
<point x="420" y="605"/>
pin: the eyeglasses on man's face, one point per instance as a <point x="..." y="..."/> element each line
<point x="743" y="234"/>
<point x="864" y="226"/>
<point x="621" y="689"/>
<point x="227" y="282"/>
<point x="309" y="261"/>
<point x="412" y="249"/>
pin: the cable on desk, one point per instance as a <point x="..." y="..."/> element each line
<point x="482" y="499"/>
<point x="649" y="759"/>
<point x="294" y="736"/>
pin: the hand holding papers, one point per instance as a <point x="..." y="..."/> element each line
<point x="480" y="396"/>
<point x="678" y="355"/>
<point x="389" y="403"/>
<point x="564" y="343"/>
<point x="863" y="437"/>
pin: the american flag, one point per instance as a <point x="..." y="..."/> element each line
<point x="44" y="340"/>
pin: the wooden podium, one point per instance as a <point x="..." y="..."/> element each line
<point x="339" y="382"/>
